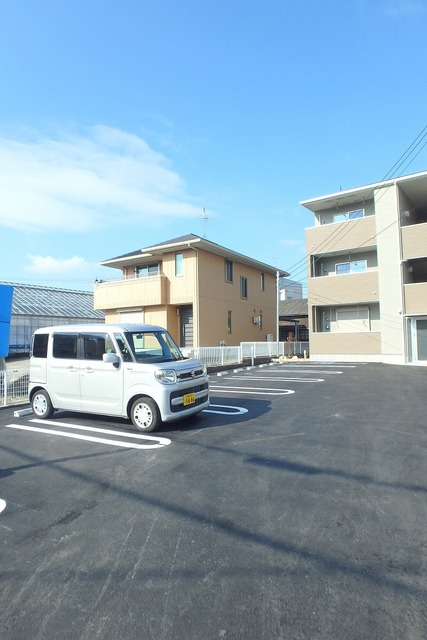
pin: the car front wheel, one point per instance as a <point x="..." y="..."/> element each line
<point x="145" y="414"/>
<point x="42" y="405"/>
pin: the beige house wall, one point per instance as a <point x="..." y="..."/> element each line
<point x="217" y="297"/>
<point x="387" y="207"/>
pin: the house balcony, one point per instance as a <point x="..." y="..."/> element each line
<point x="342" y="236"/>
<point x="416" y="298"/>
<point x="351" y="288"/>
<point x="131" y="292"/>
<point x="414" y="241"/>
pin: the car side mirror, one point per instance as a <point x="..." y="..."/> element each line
<point x="112" y="358"/>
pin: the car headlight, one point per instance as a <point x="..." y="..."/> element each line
<point x="166" y="376"/>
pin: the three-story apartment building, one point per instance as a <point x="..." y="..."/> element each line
<point x="367" y="273"/>
<point x="203" y="293"/>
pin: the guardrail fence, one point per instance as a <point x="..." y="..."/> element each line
<point x="13" y="386"/>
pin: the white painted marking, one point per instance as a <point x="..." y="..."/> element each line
<point x="280" y="379"/>
<point x="162" y="442"/>
<point x="304" y="370"/>
<point x="237" y="410"/>
<point x="254" y="391"/>
<point x="2" y="505"/>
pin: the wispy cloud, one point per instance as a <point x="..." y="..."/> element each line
<point x="47" y="265"/>
<point x="77" y="182"/>
<point x="402" y="8"/>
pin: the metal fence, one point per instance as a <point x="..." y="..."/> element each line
<point x="221" y="356"/>
<point x="14" y="386"/>
<point x="14" y="382"/>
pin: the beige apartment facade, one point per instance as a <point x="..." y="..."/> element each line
<point x="203" y="293"/>
<point x="367" y="273"/>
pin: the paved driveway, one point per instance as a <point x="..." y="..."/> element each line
<point x="294" y="509"/>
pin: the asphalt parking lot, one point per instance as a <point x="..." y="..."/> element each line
<point x="295" y="508"/>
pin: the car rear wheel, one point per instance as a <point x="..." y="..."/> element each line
<point x="42" y="405"/>
<point x="145" y="414"/>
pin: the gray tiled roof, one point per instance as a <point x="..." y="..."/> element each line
<point x="35" y="300"/>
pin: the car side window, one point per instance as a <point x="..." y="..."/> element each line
<point x="65" y="346"/>
<point x="95" y="345"/>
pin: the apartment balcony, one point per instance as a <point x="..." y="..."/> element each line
<point x="414" y="241"/>
<point x="351" y="288"/>
<point x="341" y="236"/>
<point x="416" y="298"/>
<point x="131" y="292"/>
<point x="338" y="344"/>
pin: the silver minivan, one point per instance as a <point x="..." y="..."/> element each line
<point x="127" y="370"/>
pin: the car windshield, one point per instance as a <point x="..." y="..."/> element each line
<point x="153" y="346"/>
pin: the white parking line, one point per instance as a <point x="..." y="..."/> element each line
<point x="161" y="442"/>
<point x="253" y="391"/>
<point x="280" y="379"/>
<point x="230" y="411"/>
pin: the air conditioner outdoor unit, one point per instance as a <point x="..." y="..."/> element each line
<point x="256" y="319"/>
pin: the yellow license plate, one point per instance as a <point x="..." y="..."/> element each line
<point x="189" y="398"/>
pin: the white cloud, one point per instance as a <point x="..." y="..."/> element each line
<point x="46" y="265"/>
<point x="76" y="182"/>
<point x="401" y="8"/>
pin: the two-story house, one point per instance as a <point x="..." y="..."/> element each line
<point x="203" y="293"/>
<point x="367" y="272"/>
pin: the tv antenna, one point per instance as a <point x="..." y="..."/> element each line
<point x="205" y="219"/>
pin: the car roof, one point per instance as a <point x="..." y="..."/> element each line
<point x="95" y="328"/>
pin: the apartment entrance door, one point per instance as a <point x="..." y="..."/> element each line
<point x="417" y="339"/>
<point x="186" y="326"/>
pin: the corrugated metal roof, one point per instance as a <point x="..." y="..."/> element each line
<point x="292" y="308"/>
<point x="35" y="300"/>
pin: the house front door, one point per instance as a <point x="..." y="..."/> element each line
<point x="186" y="326"/>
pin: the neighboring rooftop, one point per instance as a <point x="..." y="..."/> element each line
<point x="36" y="300"/>
<point x="293" y="308"/>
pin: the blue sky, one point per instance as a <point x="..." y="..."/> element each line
<point x="120" y="123"/>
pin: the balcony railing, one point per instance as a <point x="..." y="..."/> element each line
<point x="414" y="241"/>
<point x="347" y="289"/>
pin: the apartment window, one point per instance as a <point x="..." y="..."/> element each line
<point x="262" y="282"/>
<point x="349" y="215"/>
<point x="179" y="264"/>
<point x="147" y="270"/>
<point x="229" y="321"/>
<point x="356" y="266"/>
<point x="243" y="287"/>
<point x="229" y="271"/>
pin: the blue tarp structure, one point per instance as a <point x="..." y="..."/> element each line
<point x="6" y="295"/>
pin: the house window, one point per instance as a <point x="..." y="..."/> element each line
<point x="357" y="266"/>
<point x="179" y="264"/>
<point x="262" y="282"/>
<point x="348" y="215"/>
<point x="229" y="321"/>
<point x="243" y="287"/>
<point x="147" y="270"/>
<point x="229" y="271"/>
